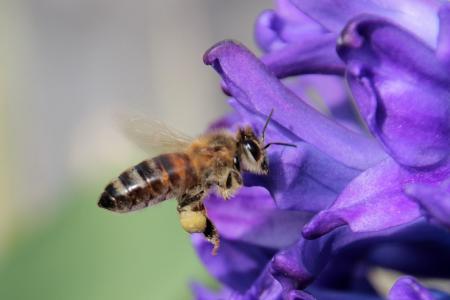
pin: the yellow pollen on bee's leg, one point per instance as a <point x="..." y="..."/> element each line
<point x="193" y="221"/>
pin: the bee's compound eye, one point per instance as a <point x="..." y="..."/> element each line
<point x="193" y="221"/>
<point x="253" y="149"/>
<point x="237" y="163"/>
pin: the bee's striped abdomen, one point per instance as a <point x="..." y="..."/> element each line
<point x="149" y="182"/>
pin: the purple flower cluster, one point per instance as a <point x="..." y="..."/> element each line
<point x="369" y="182"/>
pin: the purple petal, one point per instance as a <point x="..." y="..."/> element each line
<point x="375" y="200"/>
<point x="257" y="89"/>
<point x="435" y="200"/>
<point x="334" y="14"/>
<point x="407" y="288"/>
<point x="402" y="90"/>
<point x="291" y="266"/>
<point x="252" y="217"/>
<point x="306" y="179"/>
<point x="266" y="35"/>
<point x="443" y="47"/>
<point x="313" y="54"/>
<point x="299" y="265"/>
<point x="295" y="44"/>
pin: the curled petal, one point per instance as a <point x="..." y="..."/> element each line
<point x="407" y="288"/>
<point x="435" y="200"/>
<point x="375" y="200"/>
<point x="334" y="14"/>
<point x="401" y="89"/>
<point x="253" y="85"/>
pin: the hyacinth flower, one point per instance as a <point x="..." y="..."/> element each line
<point x="342" y="201"/>
<point x="299" y="38"/>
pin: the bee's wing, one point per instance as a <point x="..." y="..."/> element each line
<point x="154" y="136"/>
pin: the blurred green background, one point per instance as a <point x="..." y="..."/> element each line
<point x="65" y="68"/>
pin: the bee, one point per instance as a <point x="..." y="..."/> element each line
<point x="195" y="166"/>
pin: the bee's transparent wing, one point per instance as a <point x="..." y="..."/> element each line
<point x="154" y="136"/>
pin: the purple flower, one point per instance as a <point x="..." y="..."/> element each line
<point x="345" y="199"/>
<point x="407" y="288"/>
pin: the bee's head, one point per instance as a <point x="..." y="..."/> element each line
<point x="251" y="154"/>
<point x="251" y="151"/>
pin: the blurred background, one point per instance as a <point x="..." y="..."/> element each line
<point x="67" y="66"/>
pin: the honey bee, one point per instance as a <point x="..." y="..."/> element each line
<point x="215" y="159"/>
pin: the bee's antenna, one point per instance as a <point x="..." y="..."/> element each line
<point x="281" y="144"/>
<point x="275" y="143"/>
<point x="267" y="123"/>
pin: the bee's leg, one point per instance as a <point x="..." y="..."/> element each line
<point x="192" y="212"/>
<point x="212" y="235"/>
<point x="231" y="182"/>
<point x="228" y="182"/>
<point x="194" y="219"/>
